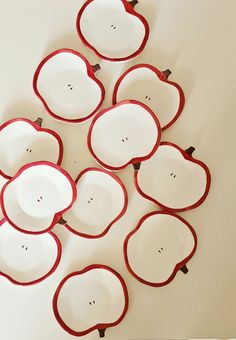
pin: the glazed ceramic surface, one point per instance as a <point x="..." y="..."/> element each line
<point x="126" y="133"/>
<point x="101" y="200"/>
<point x="27" y="259"/>
<point x="158" y="247"/>
<point x="112" y="29"/>
<point x="94" y="298"/>
<point x="23" y="141"/>
<point x="36" y="197"/>
<point x="173" y="179"/>
<point x="147" y="84"/>
<point x="65" y="83"/>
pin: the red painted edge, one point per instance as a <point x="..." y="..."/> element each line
<point x="163" y="78"/>
<point x="177" y="267"/>
<point x="98" y="326"/>
<point x="129" y="9"/>
<point x="51" y="271"/>
<point x="90" y="73"/>
<point x="39" y="129"/>
<point x="191" y="159"/>
<point x="57" y="216"/>
<point x="133" y="160"/>
<point x="106" y="228"/>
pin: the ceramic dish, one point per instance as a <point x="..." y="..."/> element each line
<point x="173" y="179"/>
<point x="27" y="259"/>
<point x="151" y="86"/>
<point x="160" y="246"/>
<point x="92" y="299"/>
<point x="36" y="197"/>
<point x="126" y="133"/>
<point x="3" y="181"/>
<point x="65" y="83"/>
<point x="23" y="141"/>
<point x="101" y="201"/>
<point x="112" y="29"/>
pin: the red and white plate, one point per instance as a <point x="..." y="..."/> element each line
<point x="173" y="179"/>
<point x="27" y="259"/>
<point x="65" y="83"/>
<point x="160" y="246"/>
<point x="94" y="298"/>
<point x="147" y="84"/>
<point x="36" y="197"/>
<point x="126" y="133"/>
<point x="23" y="141"/>
<point x="101" y="201"/>
<point x="112" y="29"/>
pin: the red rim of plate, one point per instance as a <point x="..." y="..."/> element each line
<point x="107" y="228"/>
<point x="51" y="271"/>
<point x="178" y="265"/>
<point x="191" y="159"/>
<point x="98" y="326"/>
<point x="39" y="129"/>
<point x="57" y="216"/>
<point x="163" y="78"/>
<point x="90" y="73"/>
<point x="129" y="9"/>
<point x="135" y="159"/>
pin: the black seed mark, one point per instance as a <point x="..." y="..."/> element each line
<point x="174" y="176"/>
<point x="162" y="248"/>
<point x="91" y="198"/>
<point x="22" y="246"/>
<point x="159" y="251"/>
<point x="90" y="303"/>
<point x="94" y="302"/>
<point x="41" y="197"/>
<point x="126" y="138"/>
<point x="146" y="97"/>
<point x="123" y="140"/>
<point x="149" y="98"/>
<point x="38" y="200"/>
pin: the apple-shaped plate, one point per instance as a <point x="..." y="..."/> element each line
<point x="147" y="84"/>
<point x="112" y="29"/>
<point x="94" y="298"/>
<point x="160" y="246"/>
<point x="101" y="201"/>
<point x="23" y="141"/>
<point x="65" y="83"/>
<point x="27" y="259"/>
<point x="34" y="200"/>
<point x="126" y="133"/>
<point x="173" y="179"/>
<point x="3" y="181"/>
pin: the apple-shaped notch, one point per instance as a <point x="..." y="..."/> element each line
<point x="112" y="29"/>
<point x="147" y="84"/>
<point x="65" y="83"/>
<point x="173" y="179"/>
<point x="23" y="141"/>
<point x="3" y="181"/>
<point x="159" y="247"/>
<point x="27" y="259"/>
<point x="126" y="133"/>
<point x="94" y="298"/>
<point x="101" y="201"/>
<point x="37" y="196"/>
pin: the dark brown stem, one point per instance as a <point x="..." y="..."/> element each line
<point x="101" y="332"/>
<point x="190" y="150"/>
<point x="61" y="221"/>
<point x="167" y="73"/>
<point x="184" y="269"/>
<point x="96" y="68"/>
<point x="39" y="121"/>
<point x="137" y="166"/>
<point x="133" y="3"/>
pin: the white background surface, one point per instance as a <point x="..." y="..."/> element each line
<point x="196" y="40"/>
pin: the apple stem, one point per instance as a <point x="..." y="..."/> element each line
<point x="167" y="73"/>
<point x="133" y="3"/>
<point x="96" y="68"/>
<point x="137" y="166"/>
<point x="190" y="150"/>
<point x="184" y="269"/>
<point x="101" y="332"/>
<point x="61" y="221"/>
<point x="39" y="121"/>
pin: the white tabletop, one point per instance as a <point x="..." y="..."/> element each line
<point x="196" y="40"/>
